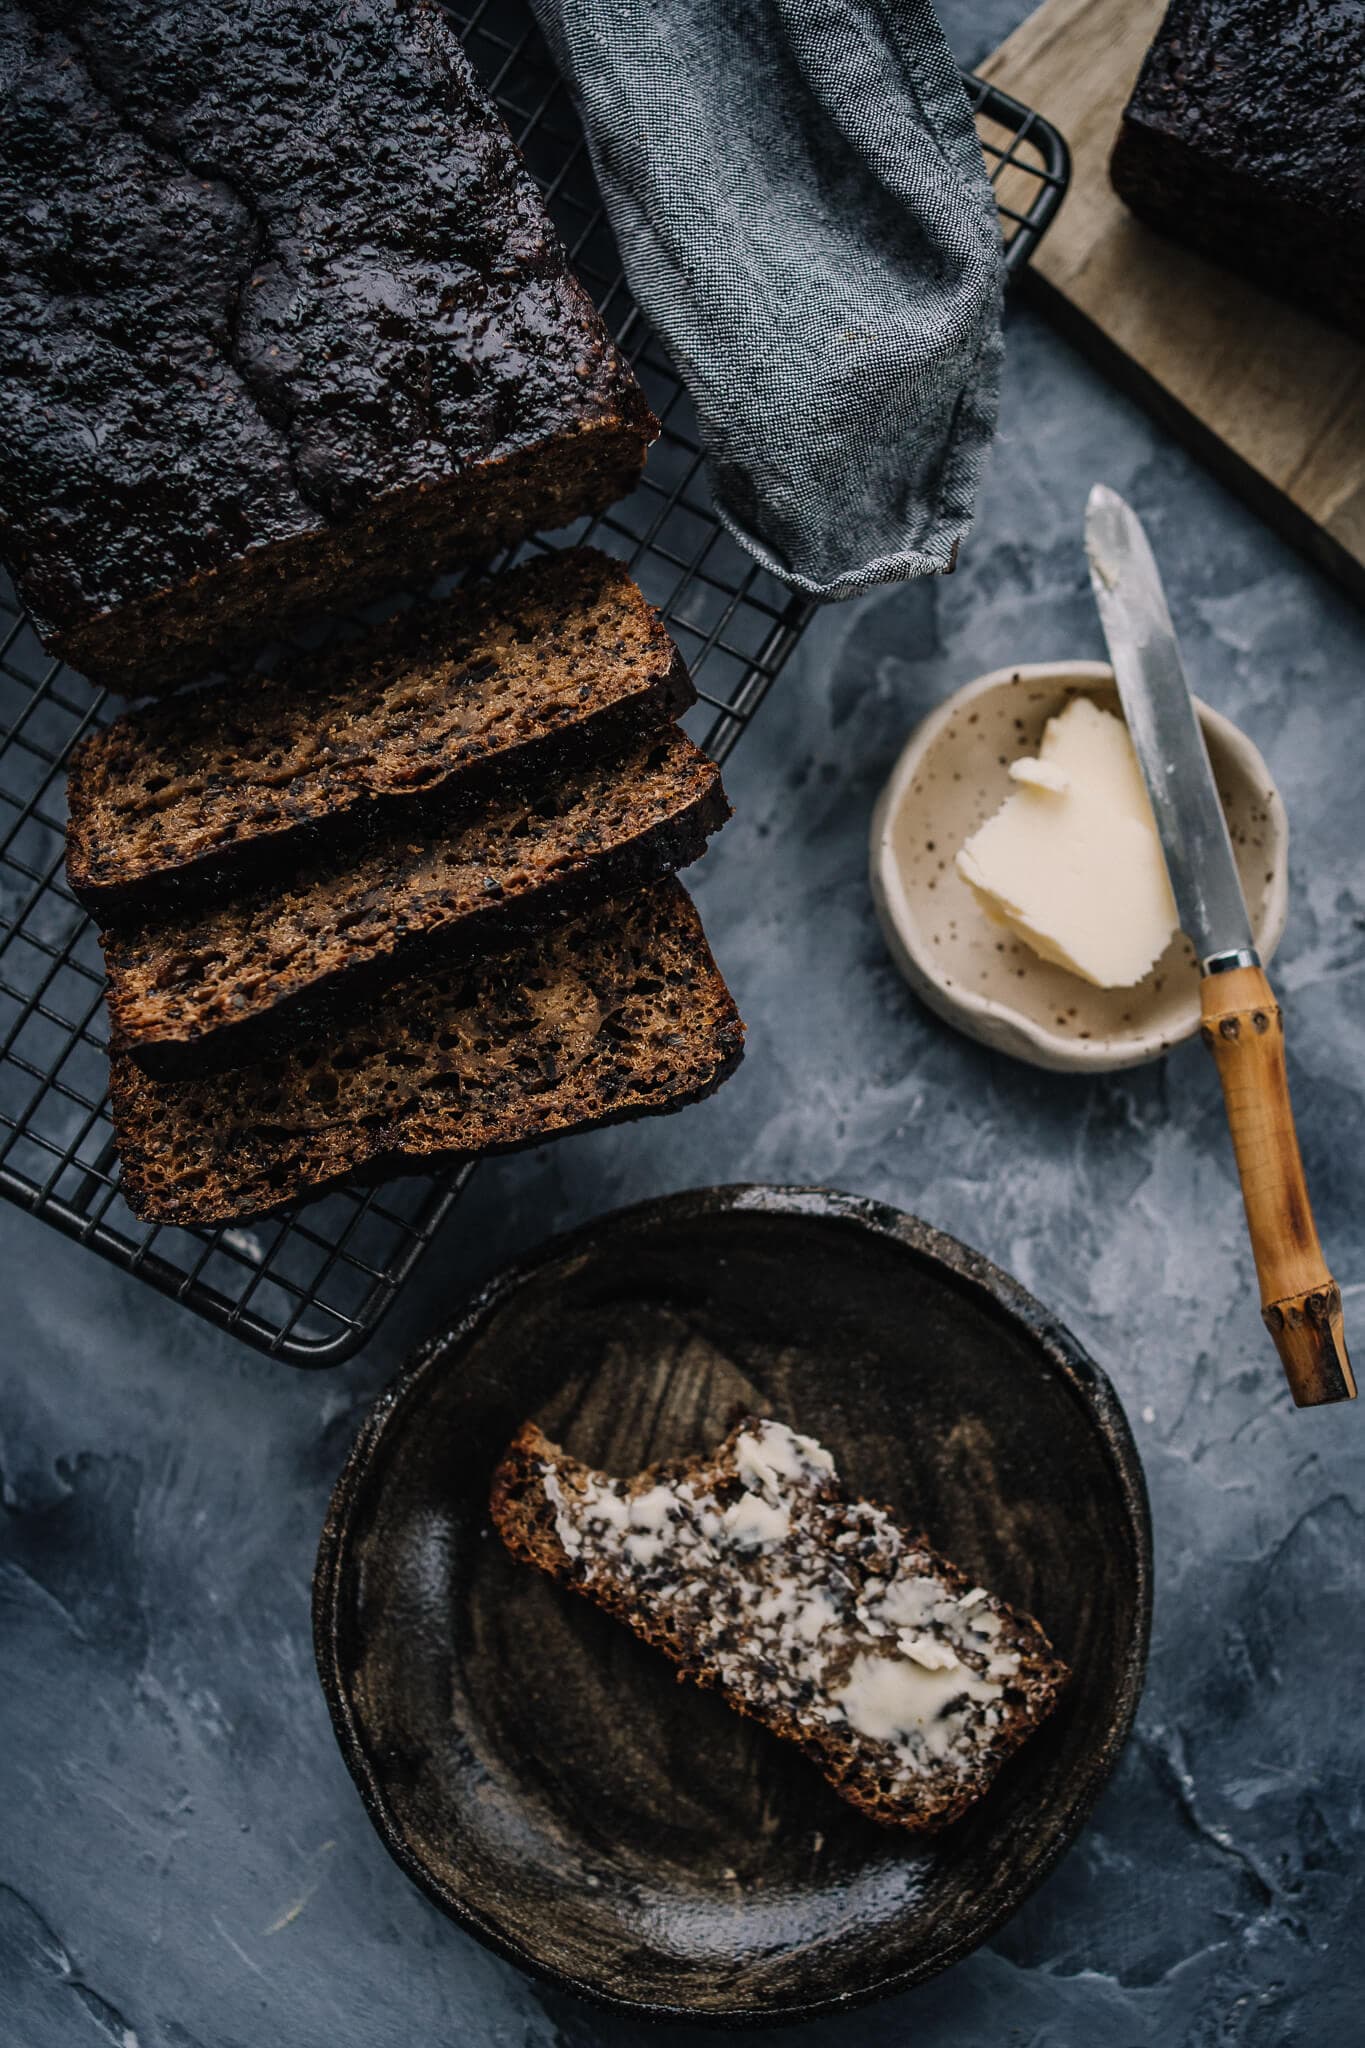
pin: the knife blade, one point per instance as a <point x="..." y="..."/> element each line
<point x="1242" y="1024"/>
<point x="1166" y="733"/>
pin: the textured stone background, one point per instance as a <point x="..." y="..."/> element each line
<point x="183" y="1860"/>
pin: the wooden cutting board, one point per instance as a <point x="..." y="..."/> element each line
<point x="1272" y="399"/>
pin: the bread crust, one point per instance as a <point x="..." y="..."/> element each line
<point x="1242" y="139"/>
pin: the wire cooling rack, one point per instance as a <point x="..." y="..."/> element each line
<point x="311" y="1286"/>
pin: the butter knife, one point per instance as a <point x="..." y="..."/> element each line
<point x="1242" y="1024"/>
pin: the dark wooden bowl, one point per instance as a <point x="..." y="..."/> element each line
<point x="543" y="1776"/>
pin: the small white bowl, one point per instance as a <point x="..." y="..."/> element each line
<point x="952" y="775"/>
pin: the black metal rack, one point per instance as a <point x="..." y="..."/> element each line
<point x="309" y="1287"/>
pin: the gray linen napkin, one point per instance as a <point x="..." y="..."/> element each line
<point x="804" y="216"/>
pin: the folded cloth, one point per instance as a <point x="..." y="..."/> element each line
<point x="804" y="216"/>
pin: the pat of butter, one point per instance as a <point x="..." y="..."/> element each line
<point x="1071" y="862"/>
<point x="1041" y="775"/>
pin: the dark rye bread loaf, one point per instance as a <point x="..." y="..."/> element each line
<point x="1245" y="139"/>
<point x="620" y="1012"/>
<point x="811" y="1613"/>
<point x="286" y="324"/>
<point x="554" y="661"/>
<point x="199" y="992"/>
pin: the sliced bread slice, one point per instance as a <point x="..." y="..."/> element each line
<point x="200" y="990"/>
<point x="814" y="1614"/>
<point x="555" y="661"/>
<point x="619" y="1012"/>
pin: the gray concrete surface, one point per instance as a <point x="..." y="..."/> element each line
<point x="183" y="1860"/>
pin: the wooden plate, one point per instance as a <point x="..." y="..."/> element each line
<point x="543" y="1776"/>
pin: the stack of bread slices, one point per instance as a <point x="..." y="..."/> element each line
<point x="410" y="898"/>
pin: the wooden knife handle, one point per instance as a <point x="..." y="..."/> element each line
<point x="1300" y="1301"/>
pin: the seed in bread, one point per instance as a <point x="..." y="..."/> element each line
<point x="816" y="1615"/>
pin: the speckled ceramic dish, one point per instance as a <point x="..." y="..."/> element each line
<point x="951" y="776"/>
<point x="540" y="1772"/>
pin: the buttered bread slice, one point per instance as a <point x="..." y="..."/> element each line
<point x="812" y="1613"/>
